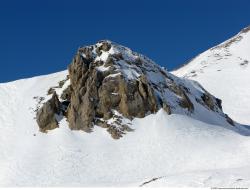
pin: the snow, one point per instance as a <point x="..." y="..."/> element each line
<point x="227" y="178"/>
<point x="114" y="75"/>
<point x="102" y="68"/>
<point x="103" y="57"/>
<point x="183" y="149"/>
<point x="160" y="145"/>
<point x="221" y="70"/>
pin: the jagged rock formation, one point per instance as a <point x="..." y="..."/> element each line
<point x="46" y="116"/>
<point x="109" y="82"/>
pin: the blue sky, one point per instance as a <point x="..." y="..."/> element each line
<point x="41" y="37"/>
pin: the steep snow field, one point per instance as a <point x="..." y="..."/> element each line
<point x="178" y="149"/>
<point x="225" y="72"/>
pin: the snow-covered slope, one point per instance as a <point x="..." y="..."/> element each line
<point x="169" y="150"/>
<point x="224" y="71"/>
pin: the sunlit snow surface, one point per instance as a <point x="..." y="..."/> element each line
<point x="225" y="72"/>
<point x="181" y="150"/>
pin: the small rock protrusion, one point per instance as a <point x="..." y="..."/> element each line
<point x="46" y="115"/>
<point x="229" y="120"/>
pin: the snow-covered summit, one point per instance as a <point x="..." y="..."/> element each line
<point x="224" y="71"/>
<point x="127" y="62"/>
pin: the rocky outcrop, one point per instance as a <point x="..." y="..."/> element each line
<point x="85" y="81"/>
<point x="66" y="94"/>
<point x="46" y="116"/>
<point x="95" y="95"/>
<point x="110" y="84"/>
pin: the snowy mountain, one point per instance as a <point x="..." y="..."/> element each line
<point x="116" y="118"/>
<point x="109" y="84"/>
<point x="224" y="71"/>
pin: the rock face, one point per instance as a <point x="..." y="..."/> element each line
<point x="46" y="116"/>
<point x="109" y="82"/>
<point x="95" y="93"/>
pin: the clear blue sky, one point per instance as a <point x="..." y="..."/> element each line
<point x="41" y="37"/>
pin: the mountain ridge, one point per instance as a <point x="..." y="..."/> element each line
<point x="223" y="70"/>
<point x="244" y="30"/>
